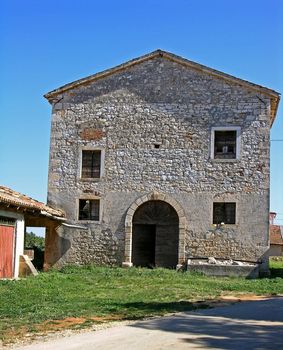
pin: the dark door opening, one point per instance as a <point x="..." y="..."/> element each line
<point x="155" y="236"/>
<point x="144" y="237"/>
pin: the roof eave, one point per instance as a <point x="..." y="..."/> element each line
<point x="51" y="216"/>
<point x="26" y="207"/>
<point x="274" y="110"/>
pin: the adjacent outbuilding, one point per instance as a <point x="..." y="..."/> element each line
<point x="276" y="240"/>
<point x="17" y="211"/>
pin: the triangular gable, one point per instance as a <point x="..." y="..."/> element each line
<point x="274" y="96"/>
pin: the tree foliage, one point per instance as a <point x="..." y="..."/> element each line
<point x="32" y="240"/>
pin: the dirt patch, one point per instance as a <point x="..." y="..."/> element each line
<point x="12" y="334"/>
<point x="53" y="325"/>
<point x="227" y="300"/>
<point x="49" y="328"/>
<point x="73" y="322"/>
<point x="244" y="297"/>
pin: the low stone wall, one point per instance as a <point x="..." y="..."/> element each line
<point x="249" y="271"/>
<point x="82" y="246"/>
<point x="224" y="243"/>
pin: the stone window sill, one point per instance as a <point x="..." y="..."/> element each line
<point x="88" y="222"/>
<point x="224" y="160"/>
<point x="90" y="179"/>
<point x="225" y="226"/>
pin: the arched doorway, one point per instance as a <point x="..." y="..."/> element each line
<point x="155" y="236"/>
<point x="154" y="196"/>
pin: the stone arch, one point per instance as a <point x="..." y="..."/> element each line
<point x="129" y="225"/>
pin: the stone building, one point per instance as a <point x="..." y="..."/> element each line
<point x="276" y="240"/>
<point x="159" y="160"/>
<point x="275" y="237"/>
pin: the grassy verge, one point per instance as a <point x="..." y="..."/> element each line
<point x="276" y="266"/>
<point x="85" y="295"/>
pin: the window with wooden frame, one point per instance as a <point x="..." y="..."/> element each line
<point x="224" y="213"/>
<point x="225" y="143"/>
<point x="91" y="164"/>
<point x="89" y="209"/>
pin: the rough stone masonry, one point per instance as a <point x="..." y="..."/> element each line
<point x="154" y="120"/>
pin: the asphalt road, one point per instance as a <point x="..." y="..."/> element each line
<point x="246" y="325"/>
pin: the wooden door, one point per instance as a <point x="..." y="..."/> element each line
<point x="6" y="251"/>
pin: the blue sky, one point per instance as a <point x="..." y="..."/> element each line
<point x="45" y="44"/>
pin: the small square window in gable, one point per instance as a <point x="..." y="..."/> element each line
<point x="89" y="209"/>
<point x="91" y="164"/>
<point x="224" y="213"/>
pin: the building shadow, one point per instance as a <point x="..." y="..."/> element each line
<point x="245" y="325"/>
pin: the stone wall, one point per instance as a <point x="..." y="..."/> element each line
<point x="161" y="102"/>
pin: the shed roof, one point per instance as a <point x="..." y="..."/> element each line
<point x="274" y="96"/>
<point x="276" y="234"/>
<point x="14" y="199"/>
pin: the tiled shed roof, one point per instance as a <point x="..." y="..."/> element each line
<point x="13" y="198"/>
<point x="276" y="234"/>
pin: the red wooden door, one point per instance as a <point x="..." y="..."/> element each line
<point x="6" y="251"/>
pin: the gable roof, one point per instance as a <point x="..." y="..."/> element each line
<point x="13" y="199"/>
<point x="275" y="96"/>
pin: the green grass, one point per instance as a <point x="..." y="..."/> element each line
<point x="112" y="292"/>
<point x="276" y="266"/>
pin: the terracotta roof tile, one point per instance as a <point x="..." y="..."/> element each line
<point x="12" y="197"/>
<point x="276" y="233"/>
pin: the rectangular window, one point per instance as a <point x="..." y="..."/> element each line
<point x="225" y="142"/>
<point x="89" y="209"/>
<point x="91" y="164"/>
<point x="224" y="213"/>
